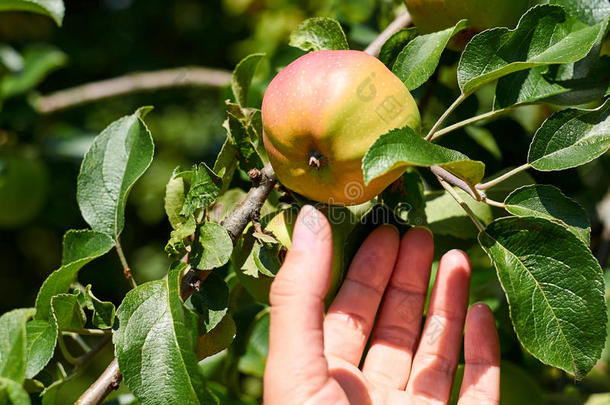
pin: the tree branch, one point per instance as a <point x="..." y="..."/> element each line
<point x="133" y="82"/>
<point x="500" y="179"/>
<point x="235" y="222"/>
<point x="485" y="116"/>
<point x="456" y="181"/>
<point x="480" y="226"/>
<point x="126" y="268"/>
<point x="399" y="23"/>
<point x="104" y="385"/>
<point x="442" y="118"/>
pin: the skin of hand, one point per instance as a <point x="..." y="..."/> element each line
<point x="320" y="359"/>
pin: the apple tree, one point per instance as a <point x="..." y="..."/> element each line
<point x="365" y="135"/>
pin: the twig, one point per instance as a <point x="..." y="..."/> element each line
<point x="64" y="350"/>
<point x="104" y="385"/>
<point x="79" y="340"/>
<point x="396" y="25"/>
<point x="84" y="359"/>
<point x="442" y="118"/>
<point x="456" y="181"/>
<point x="89" y="332"/>
<point x="493" y="202"/>
<point x="235" y="223"/>
<point x="500" y="179"/>
<point x="126" y="268"/>
<point x="485" y="116"/>
<point x="480" y="226"/>
<point x="133" y="82"/>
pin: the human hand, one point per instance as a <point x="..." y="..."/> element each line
<point x="317" y="359"/>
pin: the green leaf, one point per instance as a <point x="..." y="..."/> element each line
<point x="446" y="217"/>
<point x="225" y="164"/>
<point x="404" y="147"/>
<point x="574" y="83"/>
<point x="175" y="195"/>
<point x="205" y="186"/>
<point x="67" y="311"/>
<point x="51" y="8"/>
<point x="242" y="77"/>
<point x="103" y="311"/>
<point x="405" y="198"/>
<point x="419" y="59"/>
<point x="549" y="202"/>
<point x="392" y="47"/>
<point x="13" y="343"/>
<point x="555" y="290"/>
<point x="210" y="301"/>
<point x="11" y="392"/>
<point x="214" y="247"/>
<point x="41" y="339"/>
<point x="156" y="332"/>
<point x="38" y="62"/>
<point x="544" y="36"/>
<point x="242" y="135"/>
<point x="114" y="162"/>
<point x="217" y="339"/>
<point x="570" y="138"/>
<point x="540" y="84"/>
<point x="256" y="283"/>
<point x="588" y="11"/>
<point x="80" y="247"/>
<point x="254" y="360"/>
<point x="176" y="246"/>
<point x="266" y="258"/>
<point x="318" y="33"/>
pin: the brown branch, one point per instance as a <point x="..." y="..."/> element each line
<point x="399" y="23"/>
<point x="133" y="82"/>
<point x="456" y="181"/>
<point x="104" y="385"/>
<point x="235" y="222"/>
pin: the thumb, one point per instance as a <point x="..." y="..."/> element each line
<point x="296" y="344"/>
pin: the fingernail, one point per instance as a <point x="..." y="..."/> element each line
<point x="306" y="228"/>
<point x="425" y="228"/>
<point x="392" y="226"/>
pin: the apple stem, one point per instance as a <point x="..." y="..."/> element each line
<point x="316" y="159"/>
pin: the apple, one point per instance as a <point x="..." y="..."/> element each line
<point x="321" y="114"/>
<point x="436" y="15"/>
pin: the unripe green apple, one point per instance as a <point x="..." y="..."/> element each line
<point x="435" y="15"/>
<point x="321" y="114"/>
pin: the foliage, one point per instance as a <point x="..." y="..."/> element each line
<point x="532" y="96"/>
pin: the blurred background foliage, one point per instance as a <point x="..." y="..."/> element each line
<point x="40" y="153"/>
